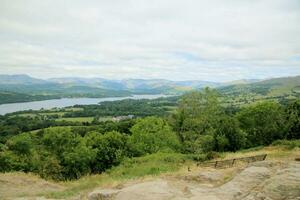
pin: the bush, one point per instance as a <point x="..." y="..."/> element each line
<point x="110" y="149"/>
<point x="152" y="134"/>
<point x="263" y="122"/>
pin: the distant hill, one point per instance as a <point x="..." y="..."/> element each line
<point x="242" y="81"/>
<point x="275" y="86"/>
<point x="20" y="79"/>
<point x="284" y="89"/>
<point x="137" y="85"/>
<point x="99" y="87"/>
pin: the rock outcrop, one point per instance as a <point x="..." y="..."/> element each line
<point x="262" y="180"/>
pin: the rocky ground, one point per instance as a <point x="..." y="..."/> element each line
<point x="269" y="180"/>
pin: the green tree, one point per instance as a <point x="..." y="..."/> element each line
<point x="263" y="122"/>
<point x="293" y="118"/>
<point x="20" y="144"/>
<point x="110" y="149"/>
<point x="198" y="114"/>
<point x="71" y="151"/>
<point x="59" y="140"/>
<point x="77" y="160"/>
<point x="229" y="137"/>
<point x="151" y="134"/>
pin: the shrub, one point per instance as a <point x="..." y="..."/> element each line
<point x="152" y="134"/>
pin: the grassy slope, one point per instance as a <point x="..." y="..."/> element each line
<point x="132" y="169"/>
<point x="16" y="97"/>
<point x="271" y="87"/>
<point x="282" y="89"/>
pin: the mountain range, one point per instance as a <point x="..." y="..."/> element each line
<point x="133" y="85"/>
<point x="20" y="87"/>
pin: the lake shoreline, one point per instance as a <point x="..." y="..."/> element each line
<point x="66" y="102"/>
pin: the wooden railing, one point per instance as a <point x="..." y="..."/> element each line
<point x="232" y="162"/>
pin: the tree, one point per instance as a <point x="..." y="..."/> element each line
<point x="293" y="118"/>
<point x="77" y="160"/>
<point x="20" y="144"/>
<point x="263" y="122"/>
<point x="152" y="134"/>
<point x="110" y="149"/>
<point x="228" y="136"/>
<point x="59" y="140"/>
<point x="198" y="114"/>
<point x="73" y="156"/>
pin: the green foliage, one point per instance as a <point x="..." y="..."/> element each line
<point x="20" y="144"/>
<point x="206" y="143"/>
<point x="142" y="107"/>
<point x="196" y="120"/>
<point x="229" y="137"/>
<point x="151" y="134"/>
<point x="293" y="111"/>
<point x="263" y="122"/>
<point x="110" y="149"/>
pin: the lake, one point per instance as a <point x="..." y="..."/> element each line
<point x="65" y="102"/>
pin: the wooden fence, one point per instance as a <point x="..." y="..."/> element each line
<point x="232" y="162"/>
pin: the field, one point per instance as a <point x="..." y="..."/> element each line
<point x="76" y="119"/>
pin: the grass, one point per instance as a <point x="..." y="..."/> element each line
<point x="76" y="119"/>
<point x="152" y="165"/>
<point x="83" y="119"/>
<point x="130" y="169"/>
<point x="274" y="152"/>
<point x="32" y="115"/>
<point x="289" y="144"/>
<point x="53" y="113"/>
<point x="73" y="109"/>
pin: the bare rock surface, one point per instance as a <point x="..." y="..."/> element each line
<point x="262" y="180"/>
<point x="104" y="194"/>
<point x="159" y="189"/>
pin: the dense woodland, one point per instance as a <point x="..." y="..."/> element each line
<point x="198" y="124"/>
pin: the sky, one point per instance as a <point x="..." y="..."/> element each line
<point x="215" y="40"/>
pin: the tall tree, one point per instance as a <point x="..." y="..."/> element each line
<point x="293" y="117"/>
<point x="198" y="114"/>
<point x="152" y="134"/>
<point x="263" y="122"/>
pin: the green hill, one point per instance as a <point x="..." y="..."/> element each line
<point x="282" y="89"/>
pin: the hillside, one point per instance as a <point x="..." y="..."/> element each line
<point x="275" y="86"/>
<point x="15" y="97"/>
<point x="282" y="89"/>
<point x="171" y="180"/>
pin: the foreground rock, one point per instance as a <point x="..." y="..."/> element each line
<point x="105" y="194"/>
<point x="262" y="180"/>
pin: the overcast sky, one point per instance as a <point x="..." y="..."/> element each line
<point x="215" y="40"/>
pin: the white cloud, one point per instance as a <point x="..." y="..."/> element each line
<point x="174" y="39"/>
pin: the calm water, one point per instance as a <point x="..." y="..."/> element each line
<point x="65" y="102"/>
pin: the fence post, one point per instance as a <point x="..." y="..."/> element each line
<point x="232" y="162"/>
<point x="216" y="164"/>
<point x="265" y="157"/>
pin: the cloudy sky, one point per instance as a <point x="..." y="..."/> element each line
<point x="215" y="40"/>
